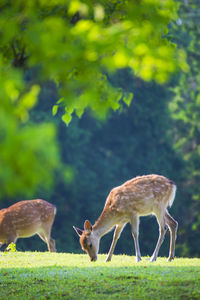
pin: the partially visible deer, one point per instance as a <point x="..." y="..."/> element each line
<point x="140" y="196"/>
<point x="25" y="219"/>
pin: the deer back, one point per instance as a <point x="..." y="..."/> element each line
<point x="142" y="194"/>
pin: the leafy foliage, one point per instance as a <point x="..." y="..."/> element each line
<point x="74" y="44"/>
<point x="185" y="109"/>
<point x="28" y="152"/>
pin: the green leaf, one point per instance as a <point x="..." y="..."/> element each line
<point x="79" y="112"/>
<point x="60" y="100"/>
<point x="11" y="248"/>
<point x="30" y="98"/>
<point x="54" y="110"/>
<point x="67" y="118"/>
<point x="127" y="99"/>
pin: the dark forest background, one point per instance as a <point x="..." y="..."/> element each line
<point x="159" y="132"/>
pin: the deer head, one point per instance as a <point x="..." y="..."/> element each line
<point x="89" y="240"/>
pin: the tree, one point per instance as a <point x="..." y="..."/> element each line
<point x="185" y="109"/>
<point x="75" y="45"/>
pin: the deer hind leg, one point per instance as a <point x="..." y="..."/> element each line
<point x="49" y="241"/>
<point x="173" y="226"/>
<point x="117" y="233"/>
<point x="45" y="235"/>
<point x="162" y="231"/>
<point x="52" y="245"/>
<point x="135" y="234"/>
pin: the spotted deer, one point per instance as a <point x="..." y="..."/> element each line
<point x="25" y="219"/>
<point x="140" y="196"/>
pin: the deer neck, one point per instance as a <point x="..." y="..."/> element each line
<point x="104" y="224"/>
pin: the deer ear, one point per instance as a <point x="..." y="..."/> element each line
<point x="78" y="231"/>
<point x="87" y="226"/>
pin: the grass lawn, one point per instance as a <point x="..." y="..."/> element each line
<point x="43" y="275"/>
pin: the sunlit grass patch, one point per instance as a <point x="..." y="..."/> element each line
<point x="44" y="275"/>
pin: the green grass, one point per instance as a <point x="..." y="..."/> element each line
<point x="43" y="275"/>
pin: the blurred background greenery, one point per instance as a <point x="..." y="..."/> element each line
<point x="93" y="94"/>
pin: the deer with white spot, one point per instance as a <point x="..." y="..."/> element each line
<point x="25" y="219"/>
<point x="140" y="196"/>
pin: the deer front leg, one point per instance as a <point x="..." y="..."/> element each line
<point x="116" y="236"/>
<point x="135" y="234"/>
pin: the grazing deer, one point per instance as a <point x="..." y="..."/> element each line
<point x="27" y="218"/>
<point x="140" y="196"/>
